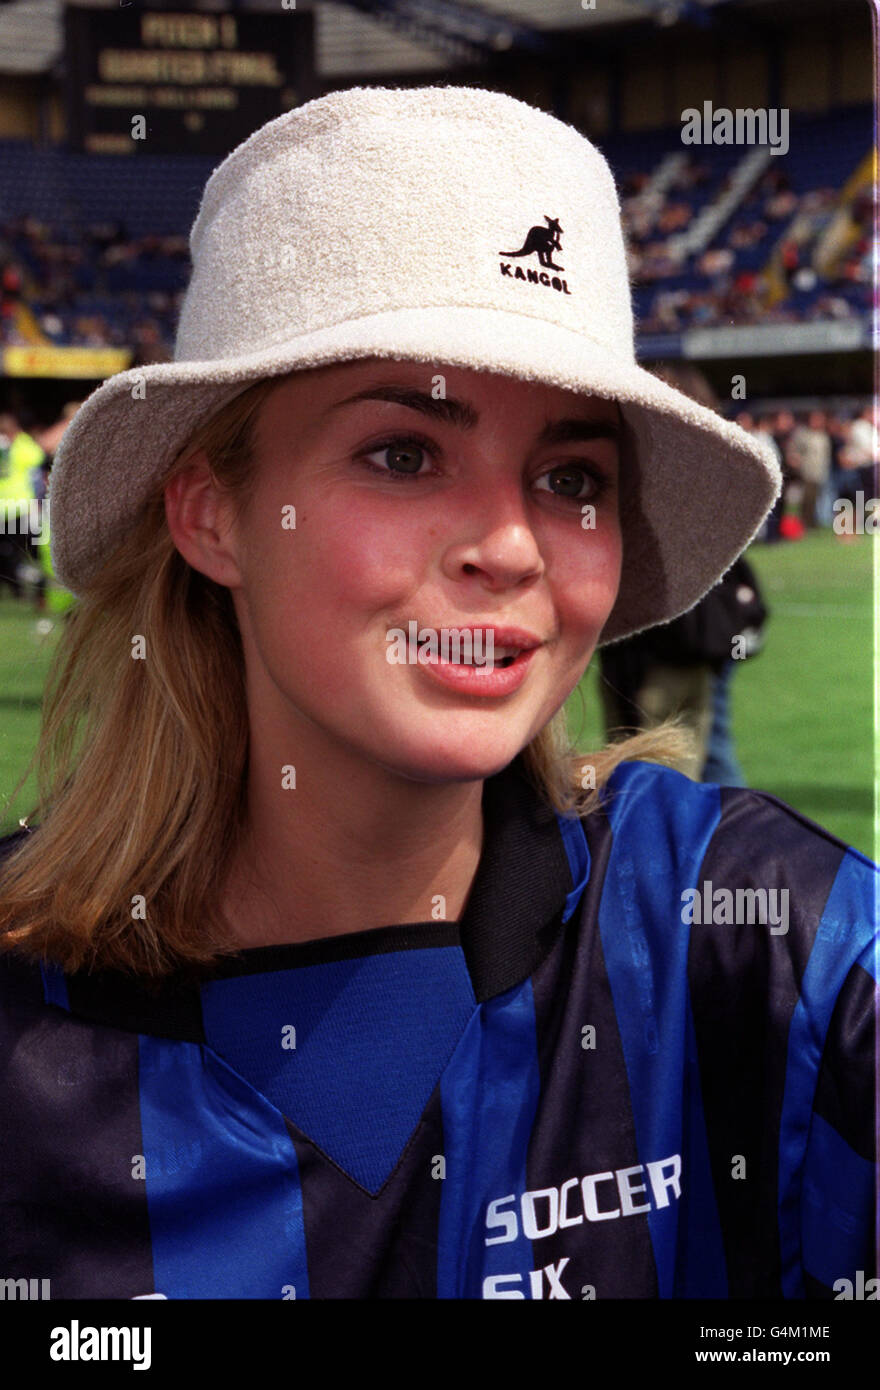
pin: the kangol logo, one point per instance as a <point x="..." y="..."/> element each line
<point x="540" y="242"/>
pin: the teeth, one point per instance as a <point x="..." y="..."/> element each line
<point x="498" y="656"/>
<point x="481" y="657"/>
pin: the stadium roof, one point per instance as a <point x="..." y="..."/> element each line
<point x="375" y="36"/>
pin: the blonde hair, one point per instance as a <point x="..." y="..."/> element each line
<point x="141" y="765"/>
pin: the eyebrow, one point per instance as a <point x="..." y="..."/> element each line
<point x="450" y="411"/>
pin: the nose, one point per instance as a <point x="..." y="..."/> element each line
<point x="494" y="541"/>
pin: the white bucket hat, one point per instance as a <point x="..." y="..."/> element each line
<point x="448" y="225"/>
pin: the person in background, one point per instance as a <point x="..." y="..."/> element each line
<point x="50" y="438"/>
<point x="764" y="426"/>
<point x="860" y="453"/>
<point x="745" y="610"/>
<point x="56" y="599"/>
<point x="781" y="427"/>
<point x="684" y="668"/>
<point x="840" y="479"/>
<point x="746" y="420"/>
<point x="20" y="455"/>
<point x="810" y="456"/>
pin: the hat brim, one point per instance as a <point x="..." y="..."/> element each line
<point x="701" y="486"/>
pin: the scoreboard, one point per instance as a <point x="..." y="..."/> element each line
<point x="166" y="82"/>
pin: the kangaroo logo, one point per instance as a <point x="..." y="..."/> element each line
<point x="543" y="241"/>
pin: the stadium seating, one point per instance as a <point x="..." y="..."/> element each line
<point x="102" y="258"/>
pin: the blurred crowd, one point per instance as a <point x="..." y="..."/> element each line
<point x="99" y="289"/>
<point x="729" y="282"/>
<point x="105" y="288"/>
<point x="26" y="455"/>
<point x="825" y="456"/>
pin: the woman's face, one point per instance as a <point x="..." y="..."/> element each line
<point x="451" y="499"/>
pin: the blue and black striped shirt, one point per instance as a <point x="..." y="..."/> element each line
<point x="641" y="1065"/>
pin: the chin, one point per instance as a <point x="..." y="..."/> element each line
<point x="459" y="760"/>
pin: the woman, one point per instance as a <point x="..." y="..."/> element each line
<point x="329" y="969"/>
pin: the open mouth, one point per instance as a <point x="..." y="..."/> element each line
<point x="472" y="654"/>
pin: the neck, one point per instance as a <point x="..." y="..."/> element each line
<point x="351" y="847"/>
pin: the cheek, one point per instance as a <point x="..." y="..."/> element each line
<point x="586" y="579"/>
<point x="346" y="557"/>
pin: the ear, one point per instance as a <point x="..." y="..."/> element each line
<point x="202" y="522"/>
